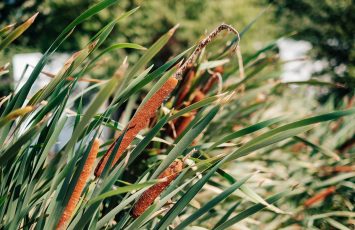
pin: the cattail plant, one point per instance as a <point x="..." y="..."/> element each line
<point x="213" y="79"/>
<point x="182" y="123"/>
<point x="148" y="197"/>
<point x="79" y="187"/>
<point x="139" y="121"/>
<point x="142" y="117"/>
<point x="36" y="189"/>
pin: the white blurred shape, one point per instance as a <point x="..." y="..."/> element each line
<point x="292" y="52"/>
<point x="20" y="61"/>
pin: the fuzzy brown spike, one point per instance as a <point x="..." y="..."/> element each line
<point x="148" y="197"/>
<point x="147" y="111"/>
<point x="79" y="187"/>
<point x="139" y="122"/>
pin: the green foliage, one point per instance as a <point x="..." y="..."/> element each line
<point x="237" y="123"/>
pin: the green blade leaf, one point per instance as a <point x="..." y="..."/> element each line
<point x="209" y="205"/>
<point x="121" y="190"/>
<point x="250" y="211"/>
<point x="151" y="52"/>
<point x="17" y="32"/>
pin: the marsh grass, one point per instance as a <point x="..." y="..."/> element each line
<point x="226" y="130"/>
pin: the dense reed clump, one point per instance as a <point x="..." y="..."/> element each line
<point x="43" y="178"/>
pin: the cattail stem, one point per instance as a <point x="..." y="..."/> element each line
<point x="182" y="123"/>
<point x="148" y="197"/>
<point x="212" y="80"/>
<point x="186" y="86"/>
<point x="79" y="187"/>
<point x="139" y="122"/>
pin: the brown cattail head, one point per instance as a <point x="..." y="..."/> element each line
<point x="78" y="189"/>
<point x="320" y="196"/>
<point x="148" y="197"/>
<point x="139" y="121"/>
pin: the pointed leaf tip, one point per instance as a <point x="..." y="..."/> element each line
<point x="172" y="30"/>
<point x="32" y="19"/>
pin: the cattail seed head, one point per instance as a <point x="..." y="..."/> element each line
<point x="182" y="124"/>
<point x="198" y="96"/>
<point x="139" y="121"/>
<point x="79" y="187"/>
<point x="148" y="197"/>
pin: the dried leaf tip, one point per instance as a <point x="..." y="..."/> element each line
<point x="172" y="30"/>
<point x="8" y="27"/>
<point x="225" y="98"/>
<point x="122" y="69"/>
<point x="32" y="19"/>
<point x="93" y="45"/>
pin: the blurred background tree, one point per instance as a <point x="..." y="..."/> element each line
<point x="153" y="19"/>
<point x="329" y="26"/>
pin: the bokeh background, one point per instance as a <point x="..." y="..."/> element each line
<point x="321" y="31"/>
